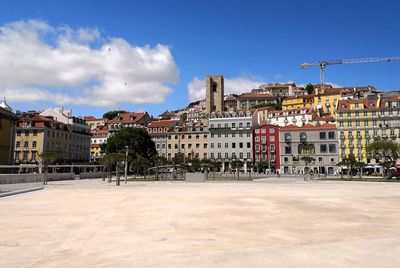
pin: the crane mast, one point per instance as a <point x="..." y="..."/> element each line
<point x="322" y="64"/>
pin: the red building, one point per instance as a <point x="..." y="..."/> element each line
<point x="266" y="145"/>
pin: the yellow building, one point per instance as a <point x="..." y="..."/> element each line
<point x="325" y="103"/>
<point x="361" y="121"/>
<point x="36" y="134"/>
<point x="191" y="141"/>
<point x="298" y="102"/>
<point x="7" y="134"/>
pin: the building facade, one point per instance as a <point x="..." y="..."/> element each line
<point x="231" y="137"/>
<point x="37" y="134"/>
<point x="7" y="134"/>
<point x="189" y="141"/>
<point x="298" y="117"/>
<point x="132" y="119"/>
<point x="266" y="146"/>
<point x="79" y="133"/>
<point x="99" y="137"/>
<point x="319" y="142"/>
<point x="159" y="131"/>
<point x="248" y="101"/>
<point x="362" y="121"/>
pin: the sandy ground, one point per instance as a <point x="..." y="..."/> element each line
<point x="91" y="223"/>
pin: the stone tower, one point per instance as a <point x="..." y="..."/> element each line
<point x="214" y="93"/>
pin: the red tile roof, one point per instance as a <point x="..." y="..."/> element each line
<point x="308" y="127"/>
<point x="132" y="117"/>
<point x="163" y="123"/>
<point x="256" y="96"/>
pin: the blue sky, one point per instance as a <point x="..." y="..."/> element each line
<point x="261" y="41"/>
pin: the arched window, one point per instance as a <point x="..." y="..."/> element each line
<point x="303" y="137"/>
<point x="288" y="137"/>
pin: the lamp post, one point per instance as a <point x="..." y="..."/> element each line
<point x="126" y="163"/>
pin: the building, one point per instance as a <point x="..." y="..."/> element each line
<point x="319" y="142"/>
<point x="159" y="132"/>
<point x="7" y="133"/>
<point x="248" y="101"/>
<point x="283" y="118"/>
<point x="361" y="121"/>
<point x="189" y="141"/>
<point x="214" y="93"/>
<point x="297" y="102"/>
<point x="94" y="122"/>
<point x="99" y="137"/>
<point x="325" y="103"/>
<point x="266" y="146"/>
<point x="36" y="134"/>
<point x="231" y="137"/>
<point x="277" y="89"/>
<point x="231" y="102"/>
<point x="79" y="133"/>
<point x="124" y="120"/>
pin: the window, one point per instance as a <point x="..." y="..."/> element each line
<point x="319" y="159"/>
<point x="33" y="156"/>
<point x="18" y="144"/>
<point x="248" y="155"/>
<point x="288" y="137"/>
<point x="332" y="148"/>
<point x="272" y="148"/>
<point x="240" y="124"/>
<point x="271" y="130"/>
<point x="197" y="145"/>
<point x="286" y="159"/>
<point x="240" y="144"/>
<point x="341" y="115"/>
<point x="348" y="114"/>
<point x="257" y="139"/>
<point x="219" y="135"/>
<point x="35" y="133"/>
<point x="288" y="149"/>
<point x="19" y="133"/>
<point x="323" y="148"/>
<point x="331" y="135"/>
<point x="272" y="138"/>
<point x="366" y="123"/>
<point x="226" y="145"/>
<point x="34" y="144"/>
<point x="27" y="133"/>
<point x="233" y="145"/>
<point x="241" y="155"/>
<point x="212" y="155"/>
<point x="340" y="124"/>
<point x="365" y="114"/>
<point x="263" y="131"/>
<point x="176" y="146"/>
<point x="322" y="135"/>
<point x="349" y="124"/>
<point x="182" y="145"/>
<point x="219" y="156"/>
<point x="233" y="125"/>
<point x="257" y="131"/>
<point x="264" y="139"/>
<point x="26" y="144"/>
<point x="233" y="135"/>
<point x="212" y="145"/>
<point x="219" y="145"/>
<point x="249" y="145"/>
<point x="248" y="124"/>
<point x="226" y="156"/>
<point x="357" y="123"/>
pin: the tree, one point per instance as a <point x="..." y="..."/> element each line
<point x="211" y="164"/>
<point x="108" y="161"/>
<point x="137" y="140"/>
<point x="236" y="164"/>
<point x="139" y="165"/>
<point x="310" y="89"/>
<point x="386" y="152"/>
<point x="262" y="166"/>
<point x="350" y="162"/>
<point x="195" y="165"/>
<point x="307" y="160"/>
<point x="111" y="114"/>
<point x="46" y="159"/>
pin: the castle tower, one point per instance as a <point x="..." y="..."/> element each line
<point x="214" y="93"/>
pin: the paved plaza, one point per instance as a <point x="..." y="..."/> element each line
<point x="91" y="223"/>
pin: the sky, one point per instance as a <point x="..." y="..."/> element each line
<point x="96" y="56"/>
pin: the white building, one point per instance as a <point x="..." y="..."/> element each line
<point x="282" y="118"/>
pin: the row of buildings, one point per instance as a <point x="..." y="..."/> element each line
<point x="325" y="123"/>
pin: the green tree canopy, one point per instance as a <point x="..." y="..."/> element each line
<point x="309" y="88"/>
<point x="138" y="141"/>
<point x="386" y="152"/>
<point x="351" y="163"/>
<point x="111" y="114"/>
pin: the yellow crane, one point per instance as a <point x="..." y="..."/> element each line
<point x="322" y="64"/>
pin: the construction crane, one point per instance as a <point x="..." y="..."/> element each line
<point x="324" y="63"/>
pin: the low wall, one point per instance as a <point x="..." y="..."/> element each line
<point x="60" y="176"/>
<point x="19" y="183"/>
<point x="91" y="175"/>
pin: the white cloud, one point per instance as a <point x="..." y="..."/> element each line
<point x="61" y="65"/>
<point x="235" y="85"/>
